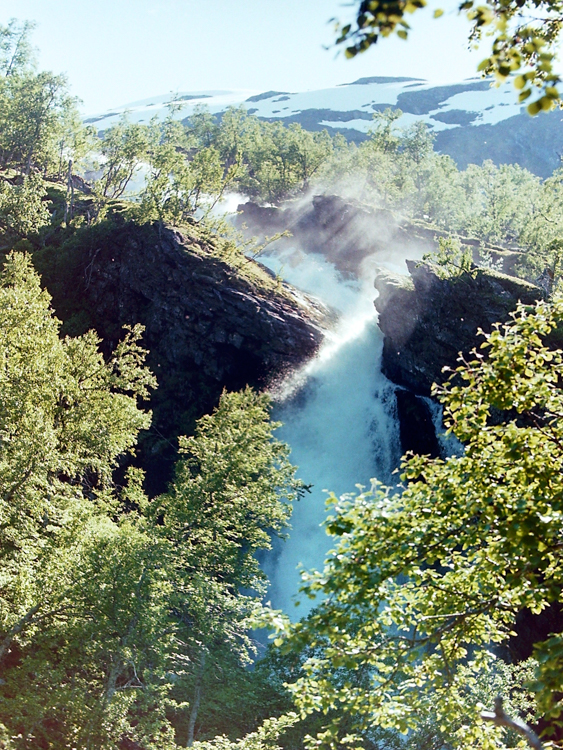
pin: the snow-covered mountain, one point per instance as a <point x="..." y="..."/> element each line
<point x="472" y="120"/>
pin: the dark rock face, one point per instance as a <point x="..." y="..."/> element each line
<point x="416" y="428"/>
<point x="344" y="231"/>
<point x="347" y="232"/>
<point x="425" y="101"/>
<point x="534" y="143"/>
<point x="381" y="79"/>
<point x="197" y="310"/>
<point x="207" y="326"/>
<point x="427" y="321"/>
<point x="265" y="95"/>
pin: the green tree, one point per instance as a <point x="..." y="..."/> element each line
<point x="99" y="659"/>
<point x="123" y="150"/>
<point x="165" y="196"/>
<point x="186" y="171"/>
<point x="545" y="221"/>
<point x="232" y="491"/>
<point x="498" y="201"/>
<point x="36" y="110"/>
<point x="544" y="265"/>
<point x="273" y="162"/>
<point x="264" y="738"/>
<point x="309" y="151"/>
<point x="181" y="180"/>
<point x="66" y="417"/>
<point x="16" y="52"/>
<point x="397" y="163"/>
<point x="444" y="197"/>
<point x="450" y="259"/>
<point x="23" y="208"/>
<point x="114" y="609"/>
<point x="202" y="126"/>
<point x="33" y="106"/>
<point x="426" y="580"/>
<point x="264" y="160"/>
<point x="235" y="135"/>
<point x="383" y="135"/>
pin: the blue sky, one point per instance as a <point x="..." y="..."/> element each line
<point x="118" y="51"/>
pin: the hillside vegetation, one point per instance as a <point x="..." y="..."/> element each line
<point x="126" y="615"/>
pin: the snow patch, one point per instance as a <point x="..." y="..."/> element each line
<point x="493" y="105"/>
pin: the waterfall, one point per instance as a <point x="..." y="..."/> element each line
<point x="449" y="444"/>
<point x="338" y="415"/>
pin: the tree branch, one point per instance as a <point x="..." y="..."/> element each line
<point x="500" y="719"/>
<point x="17" y="628"/>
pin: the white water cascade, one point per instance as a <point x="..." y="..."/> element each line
<point x="338" y="415"/>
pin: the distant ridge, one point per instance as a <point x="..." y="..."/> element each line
<point x="381" y="79"/>
<point x="266" y="95"/>
<point x="470" y="120"/>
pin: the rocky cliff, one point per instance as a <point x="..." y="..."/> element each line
<point x="210" y="324"/>
<point x="428" y="320"/>
<point x="348" y="232"/>
<point x="344" y="231"/>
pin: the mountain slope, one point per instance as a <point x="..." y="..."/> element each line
<point x="472" y="120"/>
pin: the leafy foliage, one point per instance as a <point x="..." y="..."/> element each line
<point x="524" y="38"/>
<point x="424" y="584"/>
<point x="230" y="494"/>
<point x="109" y="602"/>
<point x="124" y="620"/>
<point x="66" y="417"/>
<point x="37" y="115"/>
<point x="264" y="738"/>
<point x="123" y="149"/>
<point x="450" y="258"/>
<point x="23" y="209"/>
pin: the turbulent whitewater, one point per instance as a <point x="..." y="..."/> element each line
<point x="338" y="415"/>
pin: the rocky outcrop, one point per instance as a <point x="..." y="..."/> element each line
<point x="344" y="231"/>
<point x="347" y="232"/>
<point x="208" y="326"/>
<point x="428" y="320"/>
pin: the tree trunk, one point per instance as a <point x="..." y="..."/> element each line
<point x="17" y="628"/>
<point x="68" y="190"/>
<point x="197" y="699"/>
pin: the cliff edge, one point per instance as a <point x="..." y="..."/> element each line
<point x="211" y="322"/>
<point x="428" y="320"/>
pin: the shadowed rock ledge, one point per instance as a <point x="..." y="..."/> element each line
<point x="427" y="320"/>
<point x="210" y="324"/>
<point x="347" y="232"/>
